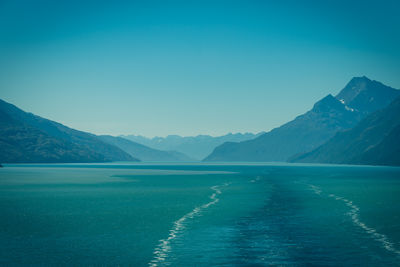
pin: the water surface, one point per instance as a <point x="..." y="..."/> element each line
<point x="197" y="214"/>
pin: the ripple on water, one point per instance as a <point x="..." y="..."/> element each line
<point x="354" y="214"/>
<point x="164" y="247"/>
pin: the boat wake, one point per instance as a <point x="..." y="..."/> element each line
<point x="164" y="246"/>
<point x="354" y="214"/>
<point x="258" y="178"/>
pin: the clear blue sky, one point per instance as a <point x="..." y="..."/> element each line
<point x="189" y="67"/>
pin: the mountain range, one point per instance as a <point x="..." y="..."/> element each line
<point x="360" y="125"/>
<point x="144" y="153"/>
<point x="374" y="141"/>
<point x="27" y="138"/>
<point x="196" y="147"/>
<point x="359" y="98"/>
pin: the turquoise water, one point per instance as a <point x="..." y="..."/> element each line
<point x="199" y="215"/>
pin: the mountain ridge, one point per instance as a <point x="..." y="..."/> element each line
<point x="196" y="147"/>
<point x="311" y="129"/>
<point x="28" y="138"/>
<point x="373" y="141"/>
<point x="144" y="153"/>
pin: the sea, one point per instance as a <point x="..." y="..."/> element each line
<point x="198" y="214"/>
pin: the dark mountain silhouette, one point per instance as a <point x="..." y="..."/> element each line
<point x="360" y="97"/>
<point x="374" y="141"/>
<point x="27" y="138"/>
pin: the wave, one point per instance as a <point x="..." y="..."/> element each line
<point x="164" y="246"/>
<point x="258" y="178"/>
<point x="354" y="214"/>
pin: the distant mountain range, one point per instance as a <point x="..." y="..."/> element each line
<point x="196" y="147"/>
<point x="360" y="97"/>
<point x="374" y="141"/>
<point x="360" y="125"/>
<point x="143" y="152"/>
<point x="27" y="138"/>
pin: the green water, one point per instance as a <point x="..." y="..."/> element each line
<point x="199" y="215"/>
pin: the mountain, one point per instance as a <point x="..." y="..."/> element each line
<point x="367" y="96"/>
<point x="27" y="138"/>
<point x="196" y="147"/>
<point x="360" y="97"/>
<point x="374" y="141"/>
<point x="143" y="152"/>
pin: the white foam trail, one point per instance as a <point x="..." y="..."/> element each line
<point x="316" y="189"/>
<point x="256" y="180"/>
<point x="164" y="247"/>
<point x="354" y="214"/>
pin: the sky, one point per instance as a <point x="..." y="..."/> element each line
<point x="155" y="68"/>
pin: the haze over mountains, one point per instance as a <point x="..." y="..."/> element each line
<point x="144" y="153"/>
<point x="27" y="138"/>
<point x="359" y="97"/>
<point x="360" y="125"/>
<point x="196" y="147"/>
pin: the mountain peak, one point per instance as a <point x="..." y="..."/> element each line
<point x="353" y="89"/>
<point x="327" y="103"/>
<point x="366" y="95"/>
<point x="360" y="79"/>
